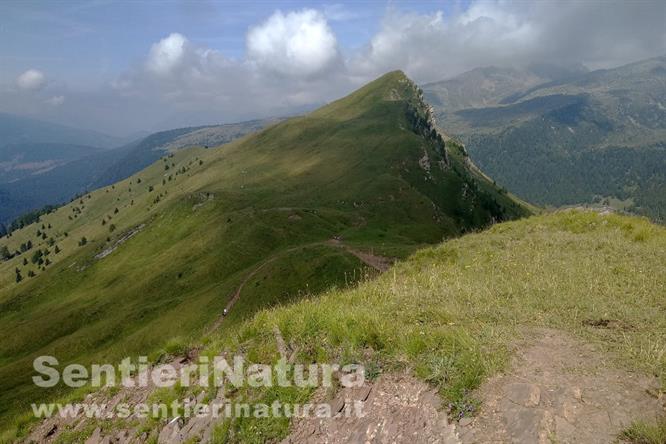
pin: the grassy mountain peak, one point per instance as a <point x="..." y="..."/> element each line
<point x="155" y="258"/>
<point x="394" y="85"/>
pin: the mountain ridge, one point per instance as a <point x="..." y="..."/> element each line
<point x="367" y="170"/>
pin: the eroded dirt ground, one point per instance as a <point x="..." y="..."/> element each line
<point x="396" y="408"/>
<point x="558" y="389"/>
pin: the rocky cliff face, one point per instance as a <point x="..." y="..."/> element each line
<point x="422" y="119"/>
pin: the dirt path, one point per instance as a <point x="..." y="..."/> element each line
<point x="560" y="390"/>
<point x="237" y="294"/>
<point x="379" y="263"/>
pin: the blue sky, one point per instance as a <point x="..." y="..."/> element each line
<point x="89" y="42"/>
<point x="125" y="66"/>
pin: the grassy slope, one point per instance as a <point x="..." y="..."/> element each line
<point x="450" y="313"/>
<point x="213" y="216"/>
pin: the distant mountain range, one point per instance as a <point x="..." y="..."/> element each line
<point x="568" y="137"/>
<point x="34" y="173"/>
<point x="487" y="86"/>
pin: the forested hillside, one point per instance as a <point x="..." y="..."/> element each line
<point x="597" y="137"/>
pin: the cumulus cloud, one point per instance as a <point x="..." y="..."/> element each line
<point x="167" y="54"/>
<point x="298" y="43"/>
<point x="31" y="80"/>
<point x="294" y="61"/>
<point x="435" y="46"/>
<point x="432" y="46"/>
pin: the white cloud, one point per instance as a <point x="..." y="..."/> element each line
<point x="295" y="44"/>
<point x="293" y="59"/>
<point x="31" y="80"/>
<point x="432" y="46"/>
<point x="167" y="54"/>
<point x="55" y="100"/>
<point x="499" y="32"/>
<point x="174" y="62"/>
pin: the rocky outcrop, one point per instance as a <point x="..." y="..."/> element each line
<point x="421" y="118"/>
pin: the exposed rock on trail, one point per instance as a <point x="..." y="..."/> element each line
<point x="395" y="409"/>
<point x="560" y="390"/>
